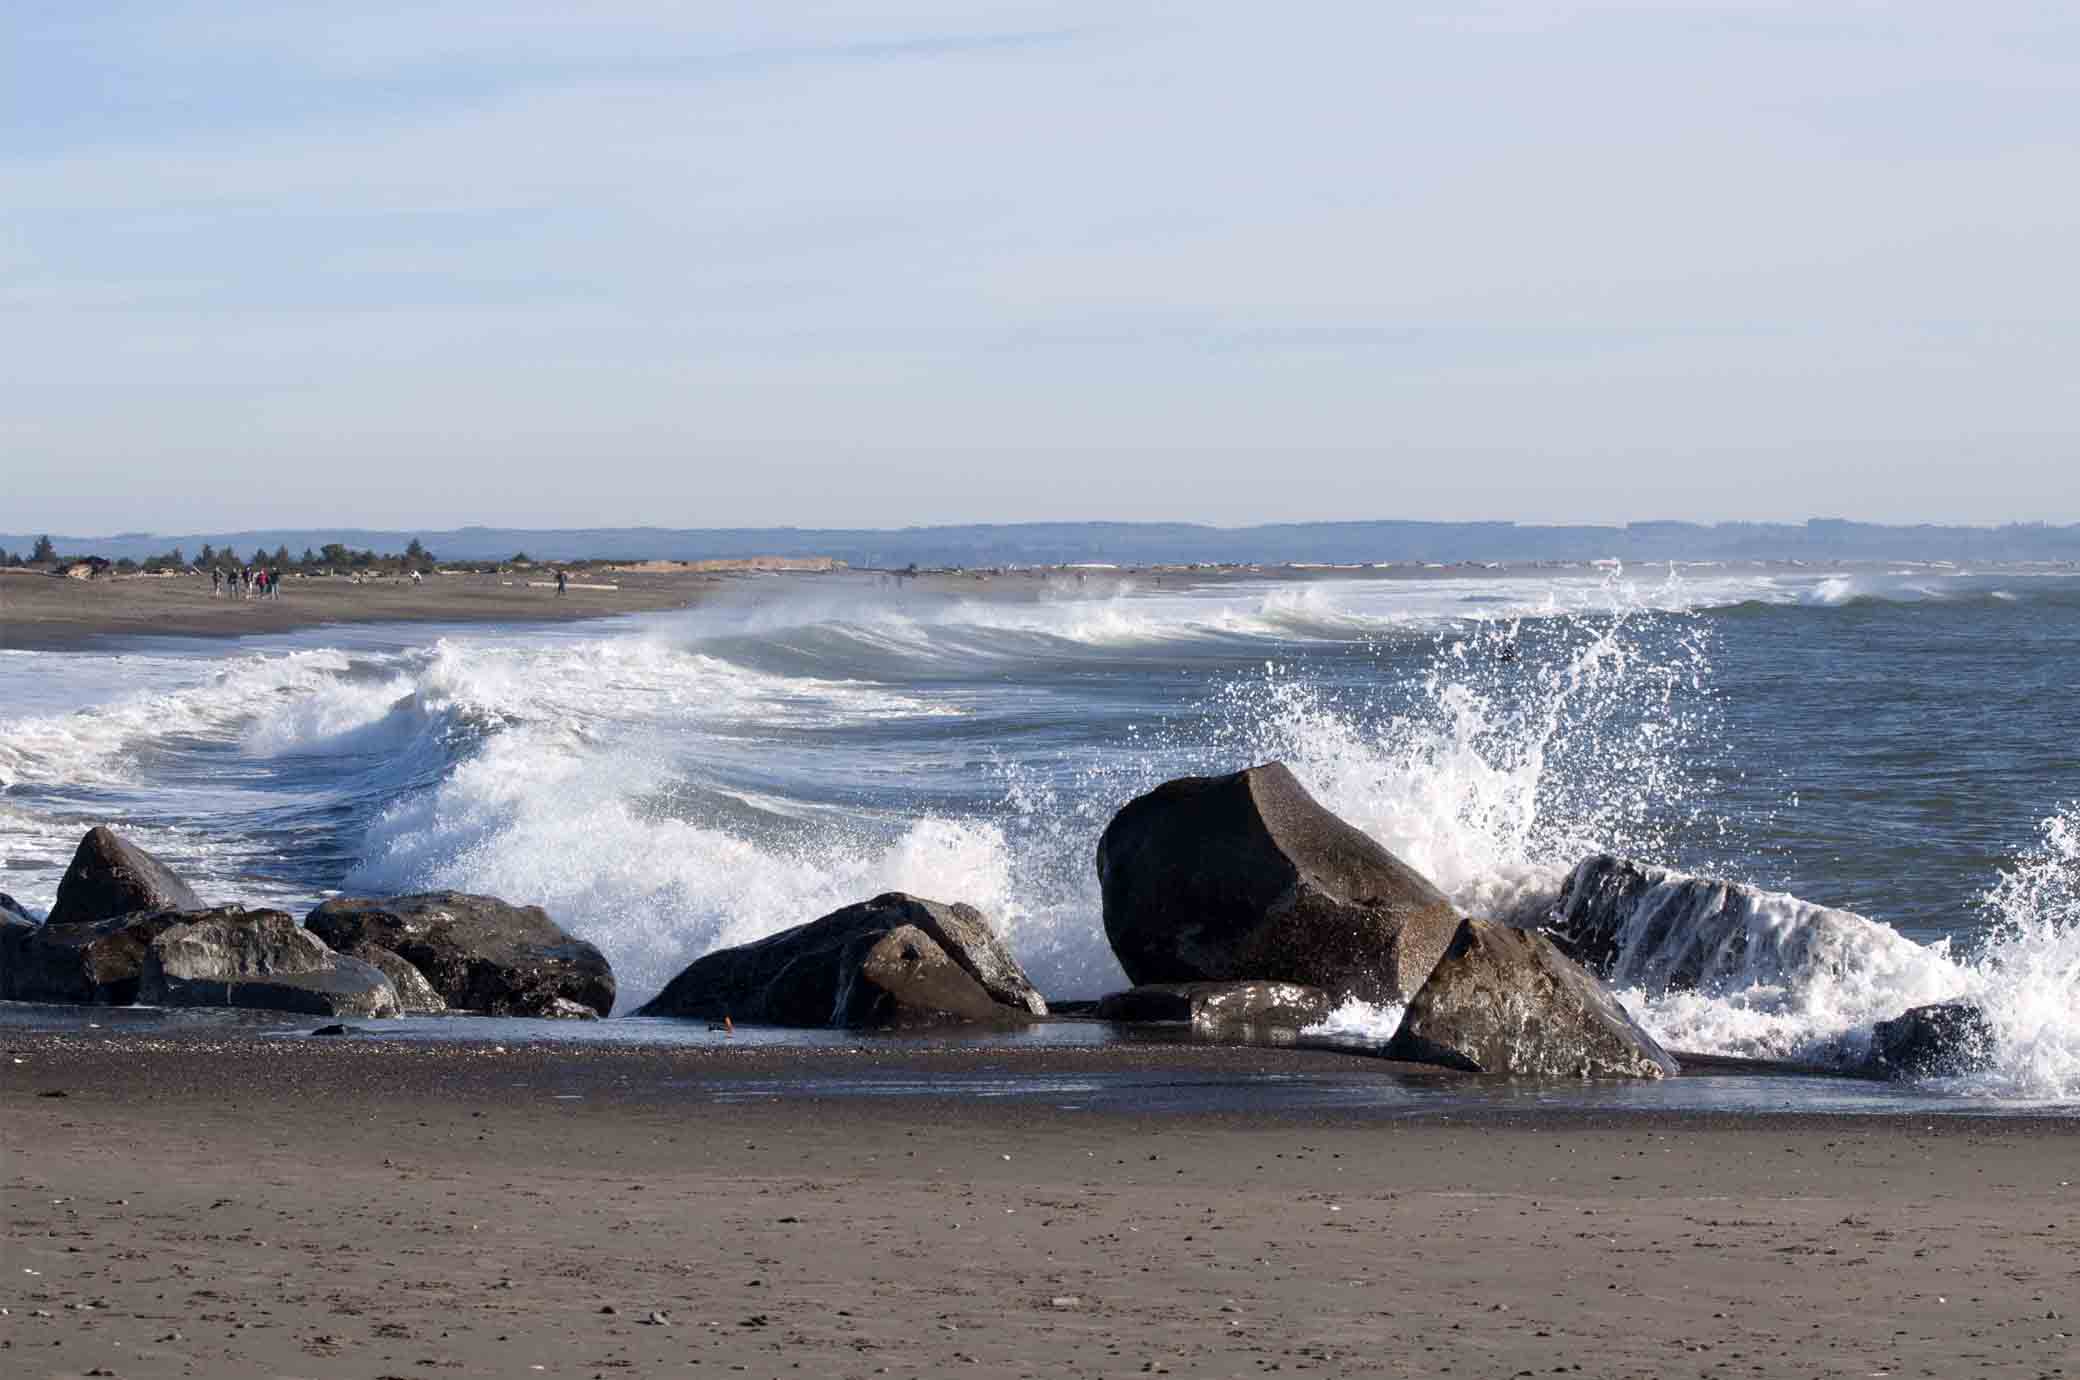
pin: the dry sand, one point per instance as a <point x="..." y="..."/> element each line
<point x="321" y="1208"/>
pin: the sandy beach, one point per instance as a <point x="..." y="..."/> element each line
<point x="48" y="612"/>
<point x="321" y="1208"/>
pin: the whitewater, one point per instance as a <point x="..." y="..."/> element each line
<point x="1884" y="757"/>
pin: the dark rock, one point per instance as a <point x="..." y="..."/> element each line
<point x="479" y="953"/>
<point x="332" y="1030"/>
<point x="1232" y="878"/>
<point x="554" y="1009"/>
<point x="1660" y="931"/>
<point x="1213" y="1006"/>
<point x="93" y="964"/>
<point x="415" y="995"/>
<point x="259" y="960"/>
<point x="837" y="970"/>
<point x="1504" y="1000"/>
<point x="11" y="909"/>
<point x="15" y="931"/>
<point x="112" y="876"/>
<point x="1939" y="1041"/>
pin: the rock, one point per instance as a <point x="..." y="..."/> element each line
<point x="97" y="963"/>
<point x="555" y="1009"/>
<point x="837" y="970"/>
<point x="15" y="931"/>
<point x="259" y="960"/>
<point x="1212" y="1006"/>
<point x="415" y="995"/>
<point x="332" y="1030"/>
<point x="479" y="953"/>
<point x="1504" y="1000"/>
<point x="11" y="909"/>
<point x="1231" y="878"/>
<point x="905" y="978"/>
<point x="1659" y="931"/>
<point x="112" y="876"/>
<point x="1939" y="1041"/>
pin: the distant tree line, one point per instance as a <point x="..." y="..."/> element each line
<point x="332" y="558"/>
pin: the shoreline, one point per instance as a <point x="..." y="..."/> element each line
<point x="314" y="1208"/>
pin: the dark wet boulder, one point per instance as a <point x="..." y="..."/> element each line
<point x="258" y="960"/>
<point x="1505" y="1000"/>
<point x="1647" y="927"/>
<point x="97" y="963"/>
<point x="905" y="978"/>
<point x="1938" y="1041"/>
<point x="11" y="909"/>
<point x="1216" y="1006"/>
<point x="478" y="952"/>
<point x="15" y="930"/>
<point x="415" y="995"/>
<point x="812" y="975"/>
<point x="112" y="876"/>
<point x="1230" y="878"/>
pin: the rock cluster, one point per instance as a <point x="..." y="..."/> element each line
<point x="126" y="929"/>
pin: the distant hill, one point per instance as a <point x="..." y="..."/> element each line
<point x="1149" y="543"/>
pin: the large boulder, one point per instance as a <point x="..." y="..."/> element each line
<point x="1505" y="1000"/>
<point x="1646" y="927"/>
<point x="812" y="975"/>
<point x="904" y="978"/>
<point x="1939" y="1041"/>
<point x="262" y="960"/>
<point x="479" y="953"/>
<point x="97" y="963"/>
<point x="15" y="931"/>
<point x="1217" y="1006"/>
<point x="415" y="995"/>
<point x="112" y="876"/>
<point x="1227" y="878"/>
<point x="11" y="909"/>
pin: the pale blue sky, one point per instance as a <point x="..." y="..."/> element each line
<point x="869" y="263"/>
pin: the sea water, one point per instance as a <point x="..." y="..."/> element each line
<point x="1899" y="742"/>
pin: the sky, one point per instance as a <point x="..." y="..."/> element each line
<point x="536" y="263"/>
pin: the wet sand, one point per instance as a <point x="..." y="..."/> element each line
<point x="48" y="612"/>
<point x="321" y="1208"/>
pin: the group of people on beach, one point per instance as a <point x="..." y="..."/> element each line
<point x="245" y="582"/>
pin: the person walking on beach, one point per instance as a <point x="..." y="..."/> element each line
<point x="216" y="582"/>
<point x="562" y="583"/>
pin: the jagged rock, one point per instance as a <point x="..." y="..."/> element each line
<point x="1938" y="1041"/>
<point x="1504" y="1000"/>
<point x="1231" y="878"/>
<point x="1214" y="1006"/>
<point x="478" y="952"/>
<point x="810" y="975"/>
<point x="11" y="909"/>
<point x="905" y="978"/>
<point x="260" y="960"/>
<point x="415" y="995"/>
<point x="1646" y="927"/>
<point x="97" y="963"/>
<point x="112" y="876"/>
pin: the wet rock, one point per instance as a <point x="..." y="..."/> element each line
<point x="415" y="995"/>
<point x="97" y="963"/>
<point x="15" y="930"/>
<point x="1229" y="878"/>
<point x="1938" y="1041"/>
<point x="260" y="960"/>
<point x="1504" y="1000"/>
<point x="1214" y="1006"/>
<point x="333" y="1030"/>
<point x="111" y="876"/>
<point x="13" y="910"/>
<point x="478" y="952"/>
<point x="1660" y="931"/>
<point x="838" y="970"/>
<point x="555" y="1009"/>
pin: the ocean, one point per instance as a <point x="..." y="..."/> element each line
<point x="1902" y="742"/>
